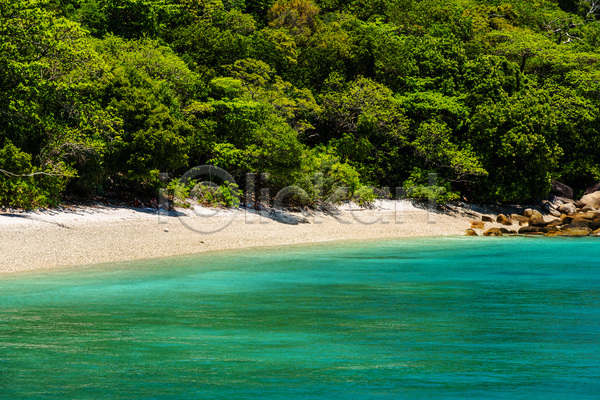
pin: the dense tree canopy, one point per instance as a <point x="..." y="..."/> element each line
<point x="495" y="97"/>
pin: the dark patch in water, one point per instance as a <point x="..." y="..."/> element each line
<point x="522" y="273"/>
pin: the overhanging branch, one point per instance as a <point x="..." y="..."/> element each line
<point x="562" y="27"/>
<point x="13" y="175"/>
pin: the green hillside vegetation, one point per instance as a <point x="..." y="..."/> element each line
<point x="495" y="97"/>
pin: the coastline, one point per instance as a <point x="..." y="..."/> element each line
<point x="84" y="235"/>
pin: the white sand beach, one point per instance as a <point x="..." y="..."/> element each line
<point x="81" y="235"/>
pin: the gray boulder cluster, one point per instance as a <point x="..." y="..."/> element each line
<point x="566" y="216"/>
<point x="560" y="201"/>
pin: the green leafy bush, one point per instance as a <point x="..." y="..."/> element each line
<point x="326" y="178"/>
<point x="498" y="99"/>
<point x="364" y="196"/>
<point x="22" y="185"/>
<point x="425" y="185"/>
<point x="206" y="194"/>
<point x="225" y="195"/>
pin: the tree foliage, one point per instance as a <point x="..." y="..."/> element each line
<point x="495" y="98"/>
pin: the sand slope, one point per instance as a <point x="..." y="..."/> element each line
<point x="95" y="234"/>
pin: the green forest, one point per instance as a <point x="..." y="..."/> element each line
<point x="497" y="98"/>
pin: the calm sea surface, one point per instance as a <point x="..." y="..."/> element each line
<point x="442" y="318"/>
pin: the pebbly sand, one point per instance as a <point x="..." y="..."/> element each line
<point x="83" y="235"/>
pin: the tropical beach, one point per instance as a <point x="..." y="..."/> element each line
<point x="299" y="199"/>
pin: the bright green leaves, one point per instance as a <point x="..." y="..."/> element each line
<point x="578" y="128"/>
<point x="23" y="185"/>
<point x="394" y="62"/>
<point x="587" y="83"/>
<point x="230" y="158"/>
<point x="329" y="50"/>
<point x="261" y="127"/>
<point x="364" y="107"/>
<point x="425" y="184"/>
<point x="254" y="75"/>
<point x="276" y="47"/>
<point x="518" y="141"/>
<point x="47" y="72"/>
<point x="238" y="120"/>
<point x="222" y="87"/>
<point x="438" y="147"/>
<point x="147" y="89"/>
<point x="261" y="84"/>
<point x="15" y="190"/>
<point x="154" y="149"/>
<point x="326" y="179"/>
<point x="539" y="134"/>
<point x="276" y="150"/>
<point x="439" y="62"/>
<point x="382" y="92"/>
<point x="490" y="78"/>
<point x="426" y="106"/>
<point x="146" y="63"/>
<point x="207" y="45"/>
<point x="433" y="143"/>
<point x="367" y="126"/>
<point x="251" y="138"/>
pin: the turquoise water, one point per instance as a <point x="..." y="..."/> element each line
<point x="443" y="318"/>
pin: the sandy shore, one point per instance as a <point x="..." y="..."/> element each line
<point x="95" y="234"/>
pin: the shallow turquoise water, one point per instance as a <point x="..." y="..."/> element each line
<point x="439" y="318"/>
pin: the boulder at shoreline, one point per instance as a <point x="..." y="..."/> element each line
<point x="592" y="189"/>
<point x="581" y="221"/>
<point x="503" y="219"/>
<point x="591" y="200"/>
<point x="561" y="190"/>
